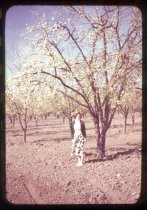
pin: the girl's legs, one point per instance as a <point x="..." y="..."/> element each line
<point x="80" y="160"/>
<point x="79" y="150"/>
<point x="72" y="147"/>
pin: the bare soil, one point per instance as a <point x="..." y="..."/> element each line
<point x="42" y="171"/>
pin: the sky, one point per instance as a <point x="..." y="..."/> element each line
<point x="16" y="19"/>
<point x="18" y="16"/>
<point x="15" y="23"/>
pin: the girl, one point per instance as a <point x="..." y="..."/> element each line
<point x="78" y="133"/>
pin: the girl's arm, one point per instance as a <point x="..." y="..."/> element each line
<point x="83" y="129"/>
<point x="72" y="129"/>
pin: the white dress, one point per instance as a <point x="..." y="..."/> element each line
<point x="78" y="143"/>
<point x="77" y="126"/>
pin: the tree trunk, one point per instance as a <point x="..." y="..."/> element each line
<point x="140" y="111"/>
<point x="101" y="146"/>
<point x="125" y="128"/>
<point x="30" y="117"/>
<point x="36" y="121"/>
<point x="13" y="121"/>
<point x="10" y="118"/>
<point x="63" y="119"/>
<point x="133" y="118"/>
<point x="25" y="135"/>
<point x="100" y="140"/>
<point x="118" y="113"/>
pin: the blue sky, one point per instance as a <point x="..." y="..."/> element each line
<point x="15" y="23"/>
<point x="16" y="19"/>
<point x="18" y="16"/>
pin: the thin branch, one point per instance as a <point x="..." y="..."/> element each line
<point x="72" y="98"/>
<point x="118" y="98"/>
<point x="75" y="41"/>
<point x="105" y="56"/>
<point x="63" y="58"/>
<point x="129" y="35"/>
<point x="69" y="87"/>
<point x="100" y="108"/>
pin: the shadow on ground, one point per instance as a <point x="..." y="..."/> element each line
<point x="58" y="140"/>
<point x="113" y="156"/>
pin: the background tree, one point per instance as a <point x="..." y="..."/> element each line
<point x="10" y="109"/>
<point x="129" y="104"/>
<point x="20" y="105"/>
<point x="26" y="99"/>
<point x="136" y="104"/>
<point x="124" y="108"/>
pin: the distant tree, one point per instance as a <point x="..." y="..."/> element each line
<point x="136" y="104"/>
<point x="130" y="102"/>
<point x="21" y="111"/>
<point x="124" y="109"/>
<point x="27" y="101"/>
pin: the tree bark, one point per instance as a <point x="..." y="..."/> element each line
<point x="133" y="117"/>
<point x="13" y="120"/>
<point x="100" y="140"/>
<point x="30" y="117"/>
<point x="36" y="121"/>
<point x="125" y="128"/>
<point x="25" y="135"/>
<point x="10" y="118"/>
<point x="63" y="117"/>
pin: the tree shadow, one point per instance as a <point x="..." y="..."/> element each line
<point x="12" y="130"/>
<point x="39" y="133"/>
<point x="15" y="135"/>
<point x="58" y="140"/>
<point x="135" y="144"/>
<point x="58" y="124"/>
<point x="113" y="156"/>
<point x="113" y="126"/>
<point x="128" y="145"/>
<point x="116" y="126"/>
<point x="40" y="125"/>
<point x="136" y="130"/>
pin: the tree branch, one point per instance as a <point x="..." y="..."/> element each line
<point x="75" y="41"/>
<point x="69" y="87"/>
<point x="72" y="98"/>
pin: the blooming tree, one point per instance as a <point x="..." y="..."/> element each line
<point x="24" y="96"/>
<point x="130" y="103"/>
<point x="94" y="54"/>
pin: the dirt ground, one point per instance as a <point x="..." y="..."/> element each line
<point x="43" y="172"/>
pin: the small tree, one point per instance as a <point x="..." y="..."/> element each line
<point x="10" y="111"/>
<point x="21" y="111"/>
<point x="124" y="109"/>
<point x="136" y="103"/>
<point x="25" y="98"/>
<point x="131" y="100"/>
